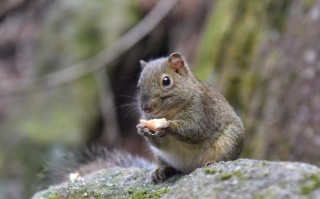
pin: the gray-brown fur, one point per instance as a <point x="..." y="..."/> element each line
<point x="202" y="128"/>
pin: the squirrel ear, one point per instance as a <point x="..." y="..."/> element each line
<point x="143" y="64"/>
<point x="177" y="62"/>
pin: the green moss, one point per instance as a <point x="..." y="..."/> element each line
<point x="144" y="194"/>
<point x="159" y="193"/>
<point x="54" y="196"/>
<point x="130" y="191"/>
<point x="259" y="197"/>
<point x="240" y="175"/>
<point x="237" y="174"/>
<point x="264" y="163"/>
<point x="269" y="193"/>
<point x="226" y="176"/>
<point x="209" y="171"/>
<point x="312" y="183"/>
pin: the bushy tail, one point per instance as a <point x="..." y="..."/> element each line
<point x="89" y="160"/>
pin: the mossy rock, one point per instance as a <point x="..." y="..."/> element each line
<point x="242" y="178"/>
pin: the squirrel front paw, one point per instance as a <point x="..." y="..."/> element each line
<point x="142" y="130"/>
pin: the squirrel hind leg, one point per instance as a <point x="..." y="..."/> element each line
<point x="162" y="173"/>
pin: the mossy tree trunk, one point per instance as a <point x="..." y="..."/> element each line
<point x="264" y="56"/>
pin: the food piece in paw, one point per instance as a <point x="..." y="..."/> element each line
<point x="154" y="124"/>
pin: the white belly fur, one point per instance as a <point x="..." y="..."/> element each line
<point x="182" y="156"/>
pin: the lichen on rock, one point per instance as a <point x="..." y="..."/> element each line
<point x="242" y="178"/>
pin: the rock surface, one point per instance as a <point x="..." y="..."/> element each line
<point x="242" y="178"/>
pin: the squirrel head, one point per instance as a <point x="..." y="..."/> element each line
<point x="165" y="85"/>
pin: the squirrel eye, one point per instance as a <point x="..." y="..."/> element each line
<point x="166" y="81"/>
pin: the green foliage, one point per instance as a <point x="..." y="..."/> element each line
<point x="56" y="117"/>
<point x="76" y="30"/>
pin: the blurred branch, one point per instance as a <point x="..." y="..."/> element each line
<point x="110" y="134"/>
<point x="96" y="62"/>
<point x="11" y="6"/>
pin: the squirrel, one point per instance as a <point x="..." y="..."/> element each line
<point x="201" y="128"/>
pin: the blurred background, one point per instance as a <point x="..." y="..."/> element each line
<point x="68" y="71"/>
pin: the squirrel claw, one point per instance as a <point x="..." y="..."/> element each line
<point x="208" y="163"/>
<point x="142" y="130"/>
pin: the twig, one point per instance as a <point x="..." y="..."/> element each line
<point x="98" y="61"/>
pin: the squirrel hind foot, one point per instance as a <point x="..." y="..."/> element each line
<point x="209" y="163"/>
<point x="162" y="173"/>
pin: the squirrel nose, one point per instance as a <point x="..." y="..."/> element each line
<point x="146" y="104"/>
<point x="146" y="107"/>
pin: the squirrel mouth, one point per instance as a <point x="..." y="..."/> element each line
<point x="153" y="112"/>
